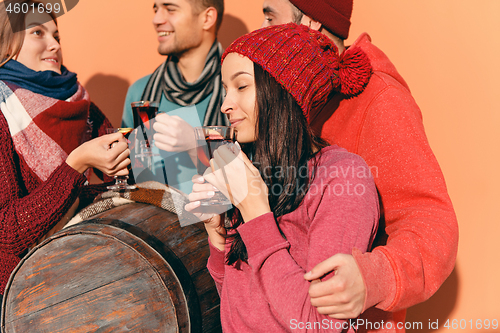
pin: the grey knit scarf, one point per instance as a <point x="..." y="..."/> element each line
<point x="167" y="79"/>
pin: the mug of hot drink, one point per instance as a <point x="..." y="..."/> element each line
<point x="208" y="139"/>
<point x="121" y="183"/>
<point x="144" y="113"/>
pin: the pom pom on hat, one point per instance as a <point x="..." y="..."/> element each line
<point x="355" y="71"/>
<point x="305" y="62"/>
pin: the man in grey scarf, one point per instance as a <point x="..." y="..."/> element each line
<point x="187" y="85"/>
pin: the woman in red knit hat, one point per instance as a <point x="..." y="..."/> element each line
<point x="298" y="200"/>
<point x="46" y="125"/>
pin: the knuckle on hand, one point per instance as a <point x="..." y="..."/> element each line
<point x="324" y="310"/>
<point x="344" y="299"/>
<point x="341" y="286"/>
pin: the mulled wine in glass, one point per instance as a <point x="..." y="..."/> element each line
<point x="121" y="181"/>
<point x="208" y="139"/>
<point x="144" y="113"/>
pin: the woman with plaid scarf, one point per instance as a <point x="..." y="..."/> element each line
<point x="51" y="134"/>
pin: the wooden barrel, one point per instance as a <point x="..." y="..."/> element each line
<point x="132" y="268"/>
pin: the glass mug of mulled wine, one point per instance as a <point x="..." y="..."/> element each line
<point x="144" y="113"/>
<point x="208" y="139"/>
<point x="121" y="182"/>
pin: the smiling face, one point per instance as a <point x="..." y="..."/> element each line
<point x="239" y="104"/>
<point x="178" y="25"/>
<point x="41" y="50"/>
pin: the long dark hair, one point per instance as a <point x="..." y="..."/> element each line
<point x="284" y="145"/>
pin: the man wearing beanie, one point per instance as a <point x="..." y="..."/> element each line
<point x="382" y="124"/>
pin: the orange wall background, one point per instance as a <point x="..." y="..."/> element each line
<point x="446" y="50"/>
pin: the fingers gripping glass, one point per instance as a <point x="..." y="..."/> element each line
<point x="121" y="181"/>
<point x="208" y="139"/>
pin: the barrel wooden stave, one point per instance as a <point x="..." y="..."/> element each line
<point x="194" y="254"/>
<point x="28" y="304"/>
<point x="101" y="278"/>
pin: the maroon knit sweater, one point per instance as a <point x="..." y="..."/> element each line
<point x="29" y="208"/>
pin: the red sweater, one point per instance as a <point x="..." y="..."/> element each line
<point x="269" y="294"/>
<point x="28" y="207"/>
<point x="384" y="126"/>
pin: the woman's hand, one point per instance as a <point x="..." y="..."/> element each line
<point x="236" y="177"/>
<point x="203" y="190"/>
<point x="108" y="153"/>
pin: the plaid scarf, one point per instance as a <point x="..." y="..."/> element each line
<point x="167" y="79"/>
<point x="150" y="192"/>
<point x="45" y="130"/>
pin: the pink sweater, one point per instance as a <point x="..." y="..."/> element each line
<point x="384" y="126"/>
<point x="269" y="294"/>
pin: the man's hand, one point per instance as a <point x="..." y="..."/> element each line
<point x="173" y="134"/>
<point x="343" y="295"/>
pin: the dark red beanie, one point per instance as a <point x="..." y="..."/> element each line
<point x="335" y="15"/>
<point x="305" y="62"/>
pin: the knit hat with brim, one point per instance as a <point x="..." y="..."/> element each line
<point x="305" y="62"/>
<point x="334" y="15"/>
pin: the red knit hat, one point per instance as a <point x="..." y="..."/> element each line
<point x="305" y="62"/>
<point x="335" y="15"/>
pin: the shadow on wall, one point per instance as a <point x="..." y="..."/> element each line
<point x="108" y="93"/>
<point x="437" y="308"/>
<point x="230" y="29"/>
